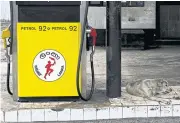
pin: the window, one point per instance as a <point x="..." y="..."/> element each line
<point x="132" y="3"/>
<point x="96" y="3"/>
<point x="123" y="3"/>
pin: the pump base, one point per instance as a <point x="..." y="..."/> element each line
<point x="47" y="99"/>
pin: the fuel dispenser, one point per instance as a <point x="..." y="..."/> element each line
<point x="48" y="50"/>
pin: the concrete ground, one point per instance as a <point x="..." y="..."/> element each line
<point x="132" y="120"/>
<point x="137" y="64"/>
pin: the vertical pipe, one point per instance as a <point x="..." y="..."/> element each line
<point x="14" y="21"/>
<point x="113" y="50"/>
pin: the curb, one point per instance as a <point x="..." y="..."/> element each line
<point x="73" y="114"/>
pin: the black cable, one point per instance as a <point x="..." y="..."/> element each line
<point x="8" y="78"/>
<point x="8" y="57"/>
<point x="79" y="60"/>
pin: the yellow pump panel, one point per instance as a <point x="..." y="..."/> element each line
<point x="47" y="59"/>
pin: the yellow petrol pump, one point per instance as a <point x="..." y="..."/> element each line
<point x="48" y="57"/>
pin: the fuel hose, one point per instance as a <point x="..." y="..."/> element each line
<point x="8" y="78"/>
<point x="7" y="54"/>
<point x="79" y="60"/>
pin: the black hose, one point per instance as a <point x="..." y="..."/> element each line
<point x="8" y="57"/>
<point x="8" y="76"/>
<point x="79" y="60"/>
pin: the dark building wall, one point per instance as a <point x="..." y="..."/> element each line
<point x="168" y="19"/>
<point x="162" y="17"/>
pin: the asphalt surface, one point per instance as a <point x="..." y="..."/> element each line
<point x="134" y="120"/>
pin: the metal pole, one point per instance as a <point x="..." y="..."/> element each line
<point x="113" y="51"/>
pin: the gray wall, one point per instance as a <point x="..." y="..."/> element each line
<point x="97" y="17"/>
<point x="144" y="17"/>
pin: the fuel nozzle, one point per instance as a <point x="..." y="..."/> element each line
<point x="93" y="34"/>
<point x="6" y="35"/>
